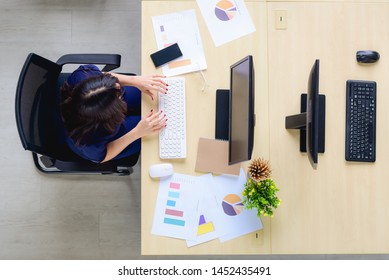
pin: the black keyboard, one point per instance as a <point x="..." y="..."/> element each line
<point x="361" y="121"/>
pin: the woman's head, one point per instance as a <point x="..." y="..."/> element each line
<point x="95" y="103"/>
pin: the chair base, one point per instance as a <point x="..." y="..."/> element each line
<point x="49" y="165"/>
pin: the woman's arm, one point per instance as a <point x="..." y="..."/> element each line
<point x="147" y="84"/>
<point x="148" y="125"/>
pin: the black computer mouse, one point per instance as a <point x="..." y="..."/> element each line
<point x="367" y="56"/>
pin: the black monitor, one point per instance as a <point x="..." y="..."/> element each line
<point x="311" y="120"/>
<point x="241" y="111"/>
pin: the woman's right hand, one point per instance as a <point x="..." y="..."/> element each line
<point x="147" y="125"/>
<point x="152" y="123"/>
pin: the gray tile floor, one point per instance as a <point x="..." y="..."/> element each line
<point x="64" y="217"/>
<point x="70" y="217"/>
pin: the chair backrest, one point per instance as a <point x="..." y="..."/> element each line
<point x="37" y="107"/>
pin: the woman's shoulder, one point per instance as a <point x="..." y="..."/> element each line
<point x="83" y="72"/>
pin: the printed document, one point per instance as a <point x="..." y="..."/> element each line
<point x="226" y="20"/>
<point x="180" y="28"/>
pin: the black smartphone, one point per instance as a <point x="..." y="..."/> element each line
<point x="165" y="55"/>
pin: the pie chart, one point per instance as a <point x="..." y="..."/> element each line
<point x="232" y="205"/>
<point x="225" y="10"/>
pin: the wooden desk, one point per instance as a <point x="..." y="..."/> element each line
<point x="340" y="207"/>
<point x="200" y="121"/>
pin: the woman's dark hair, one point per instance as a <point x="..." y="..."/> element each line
<point x="94" y="104"/>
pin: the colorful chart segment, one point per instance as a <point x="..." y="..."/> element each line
<point x="225" y="10"/>
<point x="173" y="216"/>
<point x="204" y="227"/>
<point x="232" y="205"/>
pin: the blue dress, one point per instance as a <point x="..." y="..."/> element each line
<point x="97" y="150"/>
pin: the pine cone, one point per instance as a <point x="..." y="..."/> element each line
<point x="259" y="169"/>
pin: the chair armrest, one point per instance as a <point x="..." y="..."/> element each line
<point x="111" y="61"/>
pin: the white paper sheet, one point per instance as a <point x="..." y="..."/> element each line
<point x="175" y="212"/>
<point x="181" y="28"/>
<point x="226" y="20"/>
<point x="202" y="208"/>
<point x="238" y="220"/>
<point x="210" y="219"/>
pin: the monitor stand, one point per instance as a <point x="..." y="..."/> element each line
<point x="222" y="114"/>
<point x="299" y="122"/>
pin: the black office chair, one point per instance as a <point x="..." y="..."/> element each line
<point x="39" y="121"/>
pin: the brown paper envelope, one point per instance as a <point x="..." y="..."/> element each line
<point x="212" y="156"/>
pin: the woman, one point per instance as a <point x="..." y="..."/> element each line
<point x="101" y="112"/>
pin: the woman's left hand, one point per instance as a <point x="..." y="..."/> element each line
<point x="150" y="85"/>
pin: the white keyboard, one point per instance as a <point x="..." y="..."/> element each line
<point x="172" y="139"/>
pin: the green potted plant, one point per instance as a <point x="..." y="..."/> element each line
<point x="260" y="190"/>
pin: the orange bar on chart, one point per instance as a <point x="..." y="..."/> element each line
<point x="179" y="63"/>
